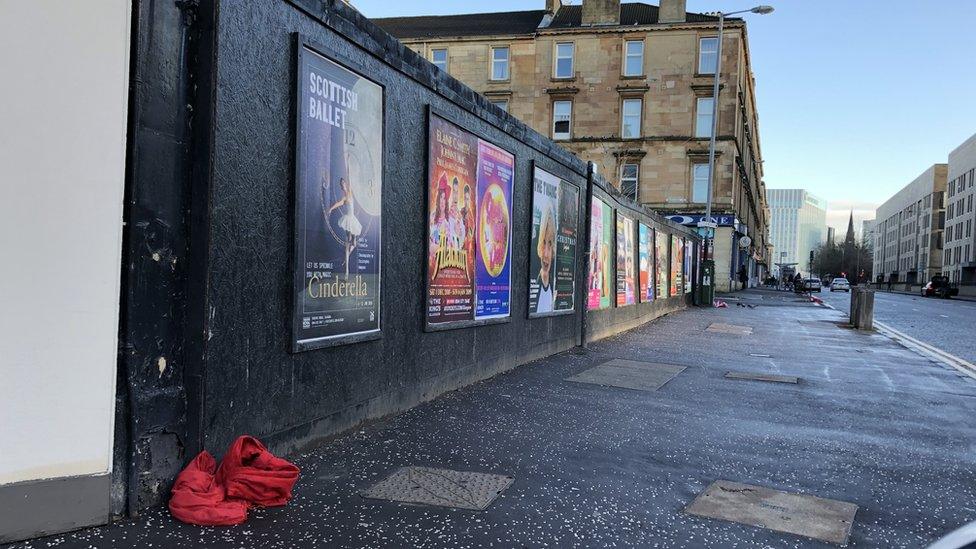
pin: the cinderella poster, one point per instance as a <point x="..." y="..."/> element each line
<point x="339" y="203"/>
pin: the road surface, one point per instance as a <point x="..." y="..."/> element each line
<point x="947" y="324"/>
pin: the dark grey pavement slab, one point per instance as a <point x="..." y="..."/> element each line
<point x="871" y="424"/>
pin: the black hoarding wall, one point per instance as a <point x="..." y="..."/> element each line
<point x="614" y="319"/>
<point x="238" y="367"/>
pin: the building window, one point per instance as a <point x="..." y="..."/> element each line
<point x="708" y="55"/>
<point x="628" y="180"/>
<point x="501" y="104"/>
<point x="630" y="123"/>
<point x="563" y="68"/>
<point x="634" y="58"/>
<point x="703" y="117"/>
<point x="499" y="63"/>
<point x="562" y="119"/>
<point x="439" y="58"/>
<point x="699" y="185"/>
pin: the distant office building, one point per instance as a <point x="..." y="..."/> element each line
<point x="831" y="235"/>
<point x="799" y="225"/>
<point x="908" y="231"/>
<point x="959" y="263"/>
<point x="867" y="233"/>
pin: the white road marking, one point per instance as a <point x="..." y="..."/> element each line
<point x="925" y="349"/>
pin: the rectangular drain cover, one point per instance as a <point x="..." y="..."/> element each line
<point x="443" y="487"/>
<point x="824" y="519"/>
<point x="629" y="374"/>
<point x="756" y="376"/>
<point x="719" y="327"/>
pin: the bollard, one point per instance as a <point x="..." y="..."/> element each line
<point x="865" y="311"/>
<point x="855" y="291"/>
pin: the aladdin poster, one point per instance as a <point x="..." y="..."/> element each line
<point x="645" y="256"/>
<point x="493" y="273"/>
<point x="661" y="241"/>
<point x="452" y="218"/>
<point x="600" y="271"/>
<point x="552" y="258"/>
<point x="469" y="226"/>
<point x="626" y="294"/>
<point x="338" y="204"/>
<point x="677" y="265"/>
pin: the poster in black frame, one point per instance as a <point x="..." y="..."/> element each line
<point x="339" y="174"/>
<point x="558" y="201"/>
<point x="467" y="154"/>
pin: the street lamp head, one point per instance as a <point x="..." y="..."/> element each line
<point x="762" y="10"/>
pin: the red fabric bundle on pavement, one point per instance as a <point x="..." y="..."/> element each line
<point x="252" y="473"/>
<point x="198" y="499"/>
<point x="248" y="476"/>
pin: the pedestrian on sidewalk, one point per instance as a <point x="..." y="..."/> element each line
<point x="889" y="283"/>
<point x="743" y="277"/>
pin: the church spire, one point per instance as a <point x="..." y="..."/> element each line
<point x="849" y="239"/>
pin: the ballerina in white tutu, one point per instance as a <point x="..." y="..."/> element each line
<point x="348" y="222"/>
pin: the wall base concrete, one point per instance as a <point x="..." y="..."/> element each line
<point x="42" y="507"/>
<point x="401" y="399"/>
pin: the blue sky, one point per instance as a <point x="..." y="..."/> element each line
<point x="856" y="97"/>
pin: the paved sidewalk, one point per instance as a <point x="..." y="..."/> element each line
<point x="869" y="423"/>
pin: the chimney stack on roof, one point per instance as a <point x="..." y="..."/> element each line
<point x="601" y="12"/>
<point x="672" y="11"/>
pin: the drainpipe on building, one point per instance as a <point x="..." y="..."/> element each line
<point x="587" y="227"/>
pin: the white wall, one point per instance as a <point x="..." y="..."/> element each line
<point x="64" y="67"/>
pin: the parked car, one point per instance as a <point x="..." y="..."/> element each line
<point x="812" y="284"/>
<point x="939" y="286"/>
<point x="840" y="285"/>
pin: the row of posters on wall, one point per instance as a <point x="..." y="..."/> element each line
<point x="662" y="266"/>
<point x="338" y="220"/>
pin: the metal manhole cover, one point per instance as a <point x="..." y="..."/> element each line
<point x="443" y="487"/>
<point x="629" y="374"/>
<point x="824" y="519"/>
<point x="719" y="327"/>
<point x="756" y="376"/>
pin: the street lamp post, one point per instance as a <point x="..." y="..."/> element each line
<point x="706" y="225"/>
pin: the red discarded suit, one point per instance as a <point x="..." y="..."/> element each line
<point x="248" y="476"/>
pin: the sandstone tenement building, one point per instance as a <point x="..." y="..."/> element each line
<point x="628" y="86"/>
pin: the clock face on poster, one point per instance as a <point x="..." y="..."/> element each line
<point x="364" y="169"/>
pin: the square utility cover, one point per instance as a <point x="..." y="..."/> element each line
<point x="629" y="374"/>
<point x="443" y="487"/>
<point x="719" y="327"/>
<point x="824" y="519"/>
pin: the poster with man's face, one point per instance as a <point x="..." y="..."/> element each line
<point x="338" y="204"/>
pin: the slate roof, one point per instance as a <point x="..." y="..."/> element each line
<point x="514" y="22"/>
<point x="471" y="24"/>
